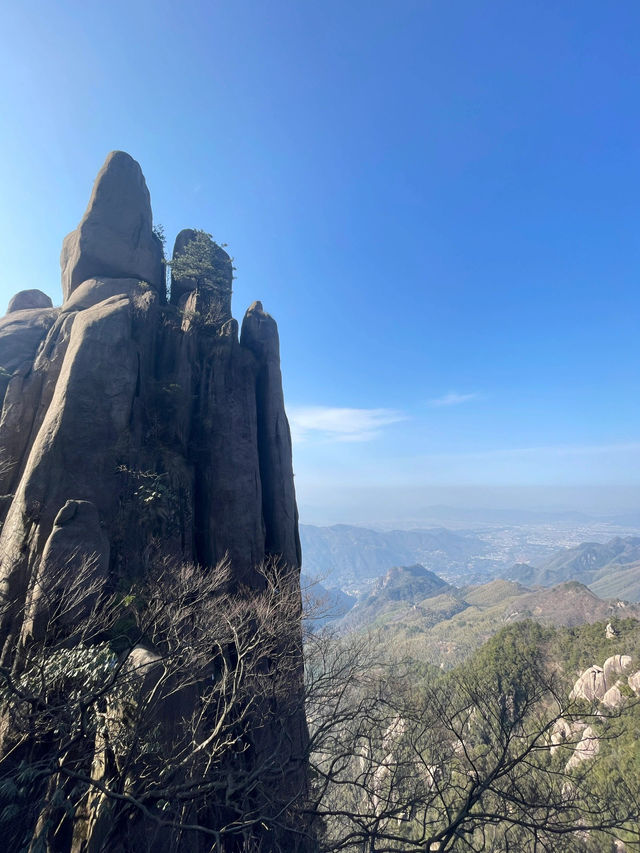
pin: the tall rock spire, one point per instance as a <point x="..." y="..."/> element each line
<point x="129" y="433"/>
<point x="115" y="236"/>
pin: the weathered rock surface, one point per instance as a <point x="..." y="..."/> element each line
<point x="591" y="685"/>
<point x="96" y="290"/>
<point x="77" y="544"/>
<point x="260" y="336"/>
<point x="595" y="682"/>
<point x="115" y="394"/>
<point x="21" y="332"/>
<point x="615" y="666"/>
<point x="613" y="698"/>
<point x="221" y="267"/>
<point x="115" y="237"/>
<point x="204" y="295"/>
<point x="588" y="748"/>
<point x="634" y="682"/>
<point x="566" y="733"/>
<point x="28" y="299"/>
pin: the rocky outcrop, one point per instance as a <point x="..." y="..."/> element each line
<point x="28" y="299"/>
<point x="115" y="236"/>
<point x="634" y="682"/>
<point x="586" y="749"/>
<point x="260" y="337"/>
<point x="600" y="685"/>
<point x="566" y="733"/>
<point x="130" y="430"/>
<point x="114" y="384"/>
<point x="209" y="267"/>
<point x="615" y="666"/>
<point x="591" y="685"/>
<point x="595" y="682"/>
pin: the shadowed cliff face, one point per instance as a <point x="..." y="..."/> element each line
<point x="131" y="427"/>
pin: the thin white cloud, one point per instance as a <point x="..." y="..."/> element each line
<point x="453" y="399"/>
<point x="326" y="423"/>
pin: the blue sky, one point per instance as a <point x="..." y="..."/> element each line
<point x="438" y="201"/>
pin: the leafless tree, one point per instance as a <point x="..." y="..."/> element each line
<point x="165" y="717"/>
<point x="459" y="762"/>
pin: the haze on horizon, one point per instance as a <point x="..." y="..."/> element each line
<point x="438" y="202"/>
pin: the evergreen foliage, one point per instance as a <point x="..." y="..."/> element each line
<point x="204" y="261"/>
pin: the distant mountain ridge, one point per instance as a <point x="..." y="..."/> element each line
<point x="353" y="557"/>
<point x="611" y="569"/>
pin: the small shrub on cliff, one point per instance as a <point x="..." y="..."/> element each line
<point x="200" y="260"/>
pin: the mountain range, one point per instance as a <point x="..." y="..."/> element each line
<point x="352" y="558"/>
<point x="611" y="569"/>
<point x="421" y="615"/>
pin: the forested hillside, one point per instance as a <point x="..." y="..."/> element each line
<point x="413" y="608"/>
<point x="510" y="750"/>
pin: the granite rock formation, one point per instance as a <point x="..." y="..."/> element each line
<point x="29" y="299"/>
<point x="116" y="384"/>
<point x="115" y="236"/>
<point x="594" y="683"/>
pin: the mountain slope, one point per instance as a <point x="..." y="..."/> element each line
<point x="618" y="581"/>
<point x="447" y="625"/>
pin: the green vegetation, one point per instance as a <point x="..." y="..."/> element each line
<point x="404" y="756"/>
<point x="445" y="628"/>
<point x="472" y="759"/>
<point x="204" y="261"/>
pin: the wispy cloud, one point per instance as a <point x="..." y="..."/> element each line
<point x="326" y="423"/>
<point x="453" y="399"/>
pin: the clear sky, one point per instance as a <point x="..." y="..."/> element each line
<point x="438" y="200"/>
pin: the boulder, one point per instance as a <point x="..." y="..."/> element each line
<point x="588" y="748"/>
<point x="21" y="333"/>
<point x="603" y="684"/>
<point x="613" y="697"/>
<point x="29" y="299"/>
<point x="115" y="237"/>
<point x="634" y="682"/>
<point x="614" y="666"/>
<point x="590" y="686"/>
